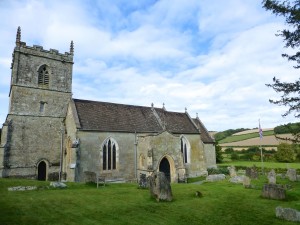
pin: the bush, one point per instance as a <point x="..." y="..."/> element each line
<point x="247" y="156"/>
<point x="229" y="150"/>
<point x="219" y="157"/>
<point x="269" y="157"/>
<point x="219" y="170"/>
<point x="253" y="149"/>
<point x="296" y="148"/>
<point x="285" y="153"/>
<point x="235" y="156"/>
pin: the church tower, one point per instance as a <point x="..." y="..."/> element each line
<point x="40" y="90"/>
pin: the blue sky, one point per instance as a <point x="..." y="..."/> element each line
<point x="213" y="57"/>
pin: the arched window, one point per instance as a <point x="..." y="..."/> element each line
<point x="43" y="77"/>
<point x="109" y="154"/>
<point x="185" y="149"/>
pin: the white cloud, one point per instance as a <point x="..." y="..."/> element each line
<point x="202" y="55"/>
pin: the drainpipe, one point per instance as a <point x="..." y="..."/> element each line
<point x="135" y="155"/>
<point x="61" y="154"/>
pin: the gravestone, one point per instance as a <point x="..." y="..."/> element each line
<point x="252" y="172"/>
<point x="232" y="171"/>
<point x="58" y="185"/>
<point x="215" y="177"/>
<point x="22" y="188"/>
<point x="143" y="181"/>
<point x="291" y="174"/>
<point x="287" y="214"/>
<point x="273" y="191"/>
<point x="237" y="179"/>
<point x="160" y="187"/>
<point x="272" y="177"/>
<point x="246" y="182"/>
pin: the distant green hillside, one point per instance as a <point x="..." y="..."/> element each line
<point x="222" y="137"/>
<point x="234" y="138"/>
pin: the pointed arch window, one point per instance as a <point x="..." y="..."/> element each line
<point x="43" y="76"/>
<point x="185" y="149"/>
<point x="109" y="154"/>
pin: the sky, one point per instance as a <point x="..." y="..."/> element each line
<point x="212" y="57"/>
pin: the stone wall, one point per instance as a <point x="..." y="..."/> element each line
<point x="27" y="60"/>
<point x="90" y="154"/>
<point x="34" y="134"/>
<point x="131" y="162"/>
<point x="210" y="155"/>
<point x="33" y="139"/>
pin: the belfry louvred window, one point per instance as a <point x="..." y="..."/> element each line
<point x="43" y="77"/>
<point x="109" y="151"/>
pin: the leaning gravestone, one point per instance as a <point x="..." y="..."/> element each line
<point x="160" y="187"/>
<point x="232" y="171"/>
<point x="272" y="177"/>
<point x="291" y="174"/>
<point x="273" y="191"/>
<point x="252" y="172"/>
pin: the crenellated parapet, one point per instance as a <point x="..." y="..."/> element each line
<point x="38" y="51"/>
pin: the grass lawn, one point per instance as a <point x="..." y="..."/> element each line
<point x="234" y="138"/>
<point x="222" y="203"/>
<point x="258" y="164"/>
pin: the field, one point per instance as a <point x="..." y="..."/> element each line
<point x="253" y="131"/>
<point x="247" y="139"/>
<point x="222" y="203"/>
<point x="235" y="138"/>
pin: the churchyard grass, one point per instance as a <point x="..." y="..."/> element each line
<point x="222" y="203"/>
<point x="272" y="165"/>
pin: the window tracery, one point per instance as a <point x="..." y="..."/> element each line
<point x="109" y="154"/>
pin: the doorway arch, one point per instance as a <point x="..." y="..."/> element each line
<point x="164" y="167"/>
<point x="42" y="170"/>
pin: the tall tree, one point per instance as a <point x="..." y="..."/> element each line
<point x="290" y="9"/>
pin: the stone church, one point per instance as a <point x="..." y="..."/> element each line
<point x="48" y="135"/>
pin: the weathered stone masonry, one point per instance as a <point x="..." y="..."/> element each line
<point x="37" y="109"/>
<point x="47" y="132"/>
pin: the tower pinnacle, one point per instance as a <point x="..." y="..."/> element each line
<point x="18" y="38"/>
<point x="72" y="48"/>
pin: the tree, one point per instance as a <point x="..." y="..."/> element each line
<point x="285" y="153"/>
<point x="290" y="9"/>
<point x="219" y="157"/>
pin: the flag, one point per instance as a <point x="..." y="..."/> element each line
<point x="260" y="131"/>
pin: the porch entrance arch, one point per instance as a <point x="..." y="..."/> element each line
<point x="164" y="167"/>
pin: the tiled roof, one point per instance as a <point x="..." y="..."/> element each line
<point x="176" y="122"/>
<point x="104" y="116"/>
<point x="205" y="136"/>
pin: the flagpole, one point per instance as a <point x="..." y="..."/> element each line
<point x="261" y="154"/>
